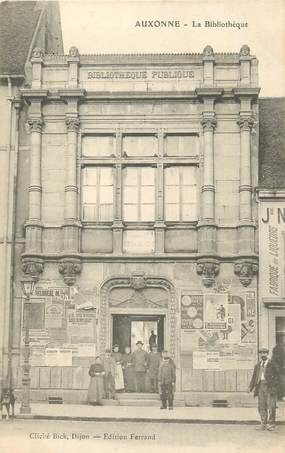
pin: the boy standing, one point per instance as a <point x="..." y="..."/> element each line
<point x="166" y="382"/>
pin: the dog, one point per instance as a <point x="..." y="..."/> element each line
<point x="8" y="400"/>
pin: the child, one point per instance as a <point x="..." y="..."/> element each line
<point x="8" y="399"/>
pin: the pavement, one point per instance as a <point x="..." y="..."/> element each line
<point x="83" y="412"/>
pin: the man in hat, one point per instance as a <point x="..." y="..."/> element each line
<point x="140" y="366"/>
<point x="166" y="382"/>
<point x="264" y="383"/>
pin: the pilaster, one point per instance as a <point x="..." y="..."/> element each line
<point x="37" y="65"/>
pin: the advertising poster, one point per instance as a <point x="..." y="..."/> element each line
<point x="234" y="324"/>
<point x="191" y="311"/>
<point x="206" y="360"/>
<point x="81" y="326"/>
<point x="53" y="315"/>
<point x="216" y="311"/>
<point x="58" y="357"/>
<point x="189" y="340"/>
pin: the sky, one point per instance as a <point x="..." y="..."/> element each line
<point x="108" y="26"/>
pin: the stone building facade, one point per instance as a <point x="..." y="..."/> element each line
<point x="23" y="26"/>
<point x="139" y="208"/>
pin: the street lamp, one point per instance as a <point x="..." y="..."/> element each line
<point x="28" y="288"/>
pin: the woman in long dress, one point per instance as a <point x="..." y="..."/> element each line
<point x="119" y="377"/>
<point x="96" y="387"/>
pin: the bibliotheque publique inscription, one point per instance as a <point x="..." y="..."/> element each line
<point x="142" y="75"/>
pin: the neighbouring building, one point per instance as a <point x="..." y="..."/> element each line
<point x="23" y="26"/>
<point x="271" y="198"/>
<point x="135" y="212"/>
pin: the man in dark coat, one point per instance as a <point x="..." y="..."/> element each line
<point x="278" y="357"/>
<point x="140" y="366"/>
<point x="153" y="363"/>
<point x="109" y="365"/>
<point x="264" y="383"/>
<point x="166" y="382"/>
<point x="152" y="340"/>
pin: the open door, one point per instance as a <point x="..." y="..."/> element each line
<point x="121" y="331"/>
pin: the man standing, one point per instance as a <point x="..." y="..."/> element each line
<point x="153" y="363"/>
<point x="264" y="383"/>
<point x="152" y="340"/>
<point x="140" y="365"/>
<point x="278" y="357"/>
<point x="109" y="365"/>
<point x="166" y="382"/>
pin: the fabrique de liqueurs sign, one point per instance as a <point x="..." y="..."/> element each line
<point x="141" y="75"/>
<point x="272" y="248"/>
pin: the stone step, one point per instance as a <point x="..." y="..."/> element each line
<point x="139" y="396"/>
<point x="139" y="403"/>
<point x="145" y="396"/>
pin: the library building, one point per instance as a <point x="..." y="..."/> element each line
<point x="137" y="218"/>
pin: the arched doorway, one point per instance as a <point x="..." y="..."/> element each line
<point x="138" y="298"/>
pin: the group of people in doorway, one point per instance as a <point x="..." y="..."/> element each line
<point x="268" y="384"/>
<point x="137" y="371"/>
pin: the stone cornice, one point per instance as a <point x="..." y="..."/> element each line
<point x="270" y="194"/>
<point x="162" y="257"/>
<point x="31" y="93"/>
<point x="148" y="58"/>
<point x="246" y="92"/>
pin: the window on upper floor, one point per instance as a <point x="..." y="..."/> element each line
<point x="98" y="194"/>
<point x="139" y="194"/>
<point x="153" y="182"/>
<point x="180" y="197"/>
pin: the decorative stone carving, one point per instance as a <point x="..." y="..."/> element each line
<point x="244" y="51"/>
<point x="35" y="124"/>
<point x="208" y="51"/>
<point x="73" y="52"/>
<point x="33" y="267"/>
<point x="209" y="123"/>
<point x="69" y="269"/>
<point x="208" y="269"/>
<point x="37" y="53"/>
<point x="245" y="123"/>
<point x="137" y="281"/>
<point x="72" y="124"/>
<point x="246" y="270"/>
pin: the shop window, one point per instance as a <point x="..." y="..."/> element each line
<point x="139" y="194"/>
<point x="139" y="145"/>
<point x="180" y="194"/>
<point x="181" y="145"/>
<point x="98" y="194"/>
<point x="98" y="145"/>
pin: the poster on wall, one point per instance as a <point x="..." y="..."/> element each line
<point x="192" y="311"/>
<point x="81" y="326"/>
<point x="58" y="357"/>
<point x="216" y="311"/>
<point x="53" y="315"/>
<point x="234" y="323"/>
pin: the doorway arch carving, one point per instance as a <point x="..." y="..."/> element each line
<point x="138" y="283"/>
